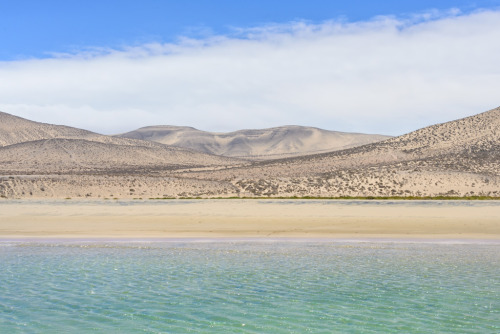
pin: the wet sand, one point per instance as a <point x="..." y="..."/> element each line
<point x="249" y="219"/>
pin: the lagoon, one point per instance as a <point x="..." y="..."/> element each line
<point x="207" y="286"/>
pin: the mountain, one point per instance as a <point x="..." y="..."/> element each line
<point x="460" y="158"/>
<point x="456" y="158"/>
<point x="28" y="147"/>
<point x="68" y="156"/>
<point x="15" y="130"/>
<point x="479" y="134"/>
<point x="273" y="143"/>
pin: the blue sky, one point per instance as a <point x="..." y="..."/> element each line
<point x="34" y="28"/>
<point x="367" y="66"/>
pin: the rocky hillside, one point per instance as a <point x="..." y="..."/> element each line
<point x="460" y="157"/>
<point x="457" y="158"/>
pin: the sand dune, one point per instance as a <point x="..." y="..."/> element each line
<point x="273" y="143"/>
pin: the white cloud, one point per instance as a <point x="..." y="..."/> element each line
<point x="387" y="75"/>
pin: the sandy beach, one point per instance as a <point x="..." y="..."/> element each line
<point x="250" y="218"/>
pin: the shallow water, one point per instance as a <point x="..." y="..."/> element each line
<point x="249" y="287"/>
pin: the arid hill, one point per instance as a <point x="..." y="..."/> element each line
<point x="77" y="156"/>
<point x="36" y="148"/>
<point x="273" y="143"/>
<point x="457" y="158"/>
<point x="15" y="130"/>
<point x="473" y="136"/>
<point x="461" y="157"/>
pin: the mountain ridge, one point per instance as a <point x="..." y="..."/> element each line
<point x="451" y="159"/>
<point x="255" y="144"/>
<point x="15" y="130"/>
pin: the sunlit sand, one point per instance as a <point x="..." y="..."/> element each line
<point x="250" y="218"/>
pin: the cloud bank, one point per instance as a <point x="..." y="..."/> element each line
<point x="387" y="75"/>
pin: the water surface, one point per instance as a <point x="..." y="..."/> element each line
<point x="249" y="287"/>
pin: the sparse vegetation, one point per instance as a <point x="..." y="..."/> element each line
<point x="457" y="160"/>
<point x="403" y="198"/>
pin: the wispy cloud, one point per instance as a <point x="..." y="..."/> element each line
<point x="387" y="75"/>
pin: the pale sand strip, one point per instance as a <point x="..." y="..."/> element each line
<point x="247" y="218"/>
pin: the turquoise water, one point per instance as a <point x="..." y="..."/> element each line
<point x="249" y="287"/>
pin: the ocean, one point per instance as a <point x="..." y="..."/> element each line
<point x="249" y="286"/>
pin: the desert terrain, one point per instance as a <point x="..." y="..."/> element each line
<point x="454" y="159"/>
<point x="265" y="144"/>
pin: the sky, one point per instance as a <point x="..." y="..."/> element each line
<point x="386" y="67"/>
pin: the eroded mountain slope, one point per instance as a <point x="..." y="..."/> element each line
<point x="273" y="143"/>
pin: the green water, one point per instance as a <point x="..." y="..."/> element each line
<point x="249" y="287"/>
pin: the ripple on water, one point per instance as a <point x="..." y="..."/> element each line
<point x="249" y="287"/>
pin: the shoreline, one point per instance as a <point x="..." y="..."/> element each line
<point x="219" y="219"/>
<point x="205" y="240"/>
